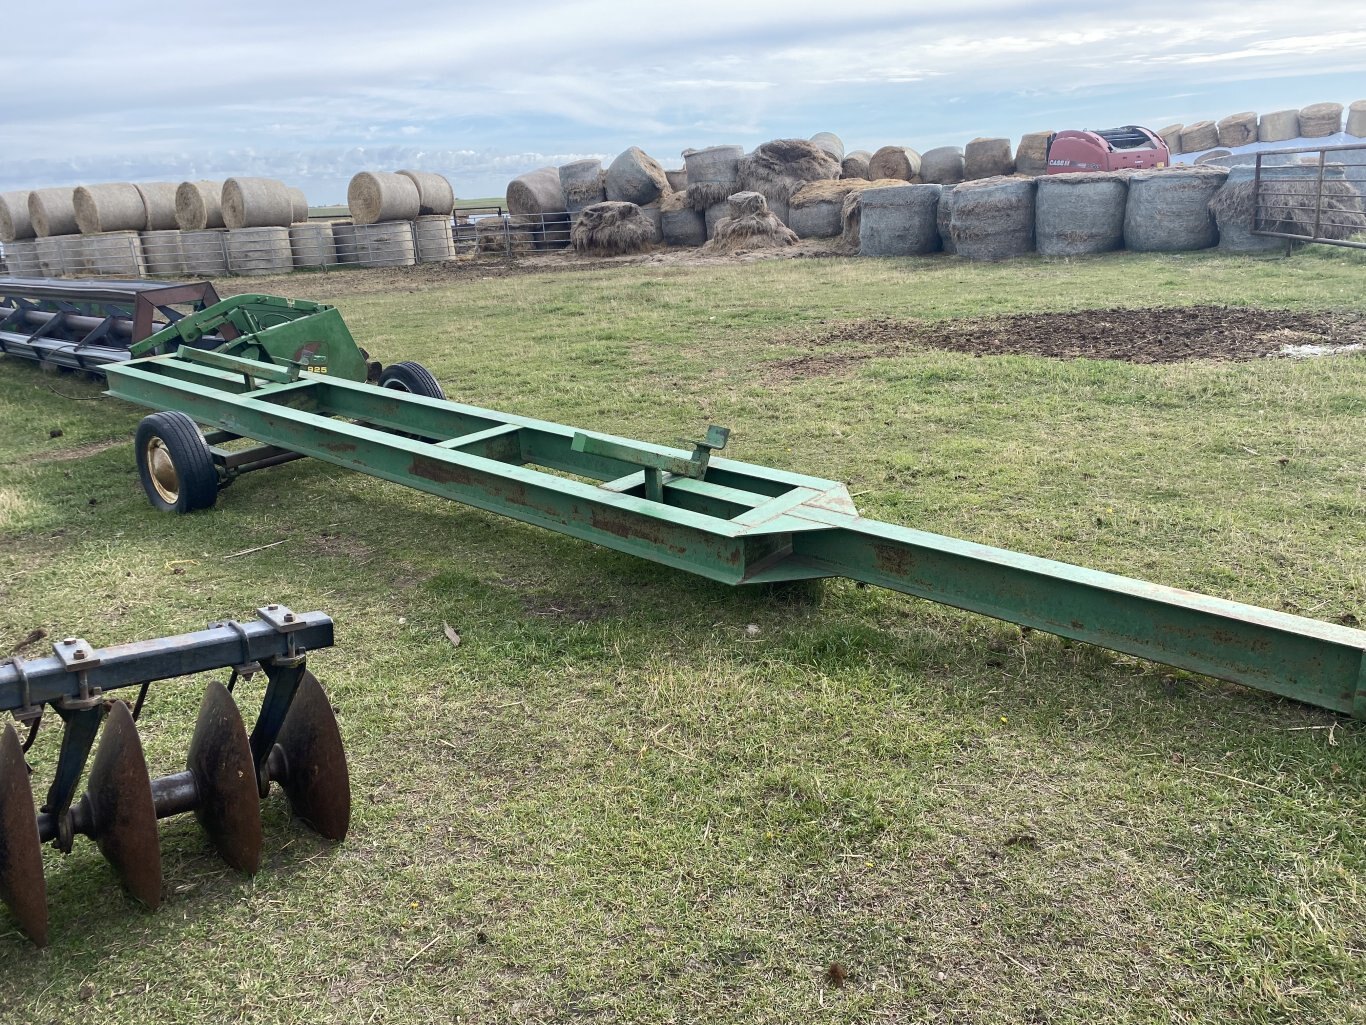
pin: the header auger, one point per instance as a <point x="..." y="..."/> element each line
<point x="294" y="743"/>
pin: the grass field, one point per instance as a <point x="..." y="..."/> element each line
<point x="631" y="795"/>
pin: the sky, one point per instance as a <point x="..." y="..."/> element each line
<point x="313" y="93"/>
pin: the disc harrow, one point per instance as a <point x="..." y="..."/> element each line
<point x="295" y="743"/>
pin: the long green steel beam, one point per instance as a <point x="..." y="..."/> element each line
<point x="742" y="523"/>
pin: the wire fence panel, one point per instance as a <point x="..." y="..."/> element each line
<point x="1323" y="200"/>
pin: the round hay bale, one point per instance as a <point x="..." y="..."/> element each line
<point x="855" y="164"/>
<point x="385" y="243"/>
<point x="636" y="177"/>
<point x="298" y="205"/>
<point x="1289" y="203"/>
<point x="1320" y="119"/>
<point x="1356" y="119"/>
<point x="52" y="212"/>
<point x="900" y="220"/>
<point x="584" y="183"/>
<point x="1199" y="137"/>
<point x="778" y="168"/>
<point x="816" y="210"/>
<point x="116" y="206"/>
<point x="678" y="179"/>
<point x="1031" y="155"/>
<point x="993" y="219"/>
<point x="48" y="251"/>
<point x="1233" y="208"/>
<point x="198" y="205"/>
<point x="344" y="241"/>
<point x="312" y="245"/>
<point x="713" y="174"/>
<point x="434" y="192"/>
<point x="161" y="252"/>
<point x="987" y="158"/>
<point x="899" y="162"/>
<point x="256" y="203"/>
<point x="682" y="227"/>
<point x="944" y="220"/>
<point x="655" y="216"/>
<point x="831" y="143"/>
<point x="536" y="192"/>
<point x="21" y="255"/>
<point x="749" y="224"/>
<point x="259" y="250"/>
<point x="378" y="196"/>
<point x="1080" y="214"/>
<point x="1168" y="209"/>
<point x="712" y="216"/>
<point x="432" y="238"/>
<point x="1237" y="129"/>
<point x="1171" y="135"/>
<point x="612" y="228"/>
<point x="116" y="254"/>
<point x="205" y="251"/>
<point x="942" y="165"/>
<point x="14" y="222"/>
<point x="1279" y="126"/>
<point x="158" y="203"/>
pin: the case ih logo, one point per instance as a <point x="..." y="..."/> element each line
<point x="1073" y="163"/>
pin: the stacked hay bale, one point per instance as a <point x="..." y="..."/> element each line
<point x="943" y="165"/>
<point x="259" y="250"/>
<point x="636" y="177"/>
<point x="160" y="235"/>
<point x="1289" y="203"/>
<point x="678" y="179"/>
<point x="256" y="203"/>
<point x="831" y="143"/>
<point x="48" y="252"/>
<point x="199" y="205"/>
<point x="584" y="183"/>
<point x="344" y="241"/>
<point x="1200" y="136"/>
<point x="1237" y="129"/>
<point x="679" y="223"/>
<point x="855" y="164"/>
<point x="434" y="193"/>
<point x="115" y="254"/>
<point x="15" y="225"/>
<point x="987" y="158"/>
<point x="1080" y="214"/>
<point x="538" y="198"/>
<point x="116" y="206"/>
<point x="1320" y="119"/>
<point x="900" y="220"/>
<point x="1031" y="155"/>
<point x="1168" y="209"/>
<point x="899" y="162"/>
<point x="384" y="243"/>
<point x="1171" y="136"/>
<point x="158" y="204"/>
<point x="749" y="224"/>
<point x="204" y="251"/>
<point x="298" y="205"/>
<point x="816" y="210"/>
<point x="374" y="197"/>
<point x="21" y="256"/>
<point x="778" y="168"/>
<point x="432" y="238"/>
<point x="612" y="228"/>
<point x="1279" y="126"/>
<point x="1356" y="119"/>
<point x="312" y="246"/>
<point x="993" y="219"/>
<point x="162" y="253"/>
<point x="713" y="174"/>
<point x="52" y="212"/>
<point x="943" y="219"/>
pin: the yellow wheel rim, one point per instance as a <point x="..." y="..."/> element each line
<point x="162" y="471"/>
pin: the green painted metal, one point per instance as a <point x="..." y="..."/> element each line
<point x="735" y="522"/>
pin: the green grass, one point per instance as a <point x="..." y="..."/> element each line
<point x="613" y="802"/>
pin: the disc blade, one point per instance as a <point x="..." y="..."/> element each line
<point x="225" y="776"/>
<point x="314" y="775"/>
<point x="123" y="818"/>
<point x="21" y="852"/>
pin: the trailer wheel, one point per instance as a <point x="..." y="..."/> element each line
<point x="175" y="463"/>
<point x="411" y="377"/>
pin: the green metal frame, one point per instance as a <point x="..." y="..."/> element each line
<point x="735" y="522"/>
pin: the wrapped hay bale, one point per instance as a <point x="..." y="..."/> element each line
<point x="158" y="203"/>
<point x="161" y="253"/>
<point x="780" y="167"/>
<point x="899" y="162"/>
<point x="816" y="210"/>
<point x="198" y="205"/>
<point x="256" y="203"/>
<point x="1279" y="126"/>
<point x="205" y="251"/>
<point x="678" y="179"/>
<point x="636" y="177"/>
<point x="855" y="164"/>
<point x="1168" y="209"/>
<point x="713" y="215"/>
<point x="373" y="197"/>
<point x="993" y="219"/>
<point x="943" y="219"/>
<point x="1171" y="135"/>
<point x="538" y="197"/>
<point x="899" y="220"/>
<point x="1031" y="155"/>
<point x="385" y="244"/>
<point x="116" y="206"/>
<point x="433" y="239"/>
<point x="115" y="254"/>
<point x="434" y="192"/>
<point x="1289" y="204"/>
<point x="298" y="205"/>
<point x="312" y="245"/>
<point x="14" y="222"/>
<point x="256" y="251"/>
<point x="1079" y="214"/>
<point x="1356" y="119"/>
<point x="655" y="216"/>
<point x="1200" y="136"/>
<point x="713" y="174"/>
<point x="831" y="143"/>
<point x="750" y="225"/>
<point x="52" y="212"/>
<point x="1237" y="129"/>
<point x="584" y="183"/>
<point x="679" y="223"/>
<point x="942" y="165"/>
<point x="1320" y="119"/>
<point x="612" y="228"/>
<point x="987" y="158"/>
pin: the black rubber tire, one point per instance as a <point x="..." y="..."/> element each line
<point x="196" y="479"/>
<point x="411" y="377"/>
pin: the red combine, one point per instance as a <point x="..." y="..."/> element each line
<point x="1110" y="149"/>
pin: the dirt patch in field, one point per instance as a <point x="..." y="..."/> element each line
<point x="1164" y="335"/>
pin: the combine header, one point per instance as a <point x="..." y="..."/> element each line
<point x="294" y="743"/>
